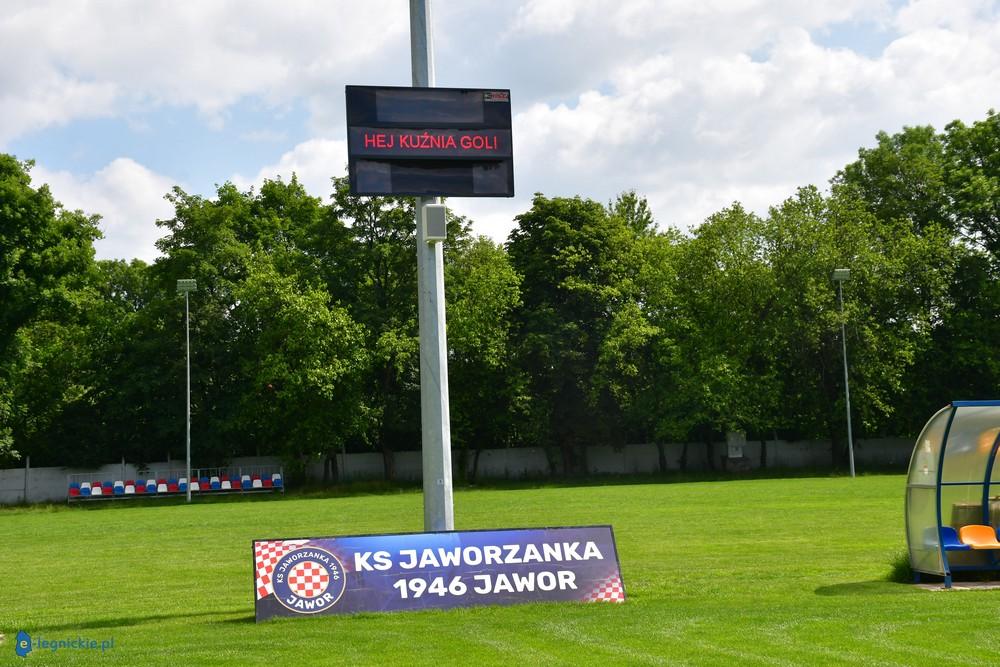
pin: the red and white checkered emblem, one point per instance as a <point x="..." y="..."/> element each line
<point x="308" y="579"/>
<point x="609" y="590"/>
<point x="266" y="554"/>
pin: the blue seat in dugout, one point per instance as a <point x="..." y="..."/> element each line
<point x="950" y="541"/>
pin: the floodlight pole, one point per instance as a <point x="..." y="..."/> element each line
<point x="187" y="394"/>
<point x="840" y="275"/>
<point x="187" y="285"/>
<point x="435" y="425"/>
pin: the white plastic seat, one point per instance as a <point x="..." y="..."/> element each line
<point x="84" y="485"/>
<point x="130" y="489"/>
<point x="258" y="484"/>
<point x="96" y="491"/>
<point x="195" y="486"/>
<point x="227" y="485"/>
<point x="161" y="488"/>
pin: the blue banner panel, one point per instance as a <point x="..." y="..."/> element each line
<point x="344" y="575"/>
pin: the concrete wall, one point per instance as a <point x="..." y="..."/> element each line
<point x="50" y="484"/>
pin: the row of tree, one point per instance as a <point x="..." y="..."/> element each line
<point x="590" y="325"/>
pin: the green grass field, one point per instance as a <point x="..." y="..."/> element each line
<point x="763" y="571"/>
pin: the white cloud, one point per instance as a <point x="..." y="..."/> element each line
<point x="63" y="60"/>
<point x="694" y="104"/>
<point x="545" y="16"/>
<point x="314" y="163"/>
<point x="128" y="197"/>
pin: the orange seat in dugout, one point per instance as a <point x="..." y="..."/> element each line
<point x="979" y="537"/>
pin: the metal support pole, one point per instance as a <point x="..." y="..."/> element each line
<point x="187" y="338"/>
<point x="847" y="386"/>
<point x="439" y="511"/>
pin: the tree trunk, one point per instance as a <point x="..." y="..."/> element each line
<point x="661" y="457"/>
<point x="568" y="458"/>
<point x="474" y="473"/>
<point x="388" y="463"/>
<point x="331" y="473"/>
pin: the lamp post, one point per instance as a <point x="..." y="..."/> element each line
<point x="186" y="286"/>
<point x="839" y="276"/>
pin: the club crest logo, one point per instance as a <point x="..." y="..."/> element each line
<point x="309" y="580"/>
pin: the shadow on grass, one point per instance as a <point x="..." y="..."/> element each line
<point x="129" y="621"/>
<point x="873" y="587"/>
<point x="240" y="620"/>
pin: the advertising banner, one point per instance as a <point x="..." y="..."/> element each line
<point x="343" y="575"/>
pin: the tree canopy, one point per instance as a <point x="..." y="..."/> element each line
<point x="592" y="324"/>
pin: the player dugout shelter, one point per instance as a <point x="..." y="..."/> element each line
<point x="952" y="507"/>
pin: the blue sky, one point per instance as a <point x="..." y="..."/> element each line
<point x="695" y="105"/>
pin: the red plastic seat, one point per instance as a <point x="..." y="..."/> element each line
<point x="74" y="492"/>
<point x="268" y="484"/>
<point x="172" y="488"/>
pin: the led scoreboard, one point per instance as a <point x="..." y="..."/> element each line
<point x="429" y="142"/>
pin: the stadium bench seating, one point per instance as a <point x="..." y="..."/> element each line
<point x="979" y="537"/>
<point x="950" y="541"/>
<point x="175" y="485"/>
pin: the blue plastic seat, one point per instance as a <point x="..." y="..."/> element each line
<point x="74" y="485"/>
<point x="216" y="486"/>
<point x="171" y="481"/>
<point x="246" y="484"/>
<point x="950" y="541"/>
<point x="277" y="482"/>
<point x="182" y="487"/>
<point x="85" y="491"/>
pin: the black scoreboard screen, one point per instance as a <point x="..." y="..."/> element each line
<point x="430" y="142"/>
